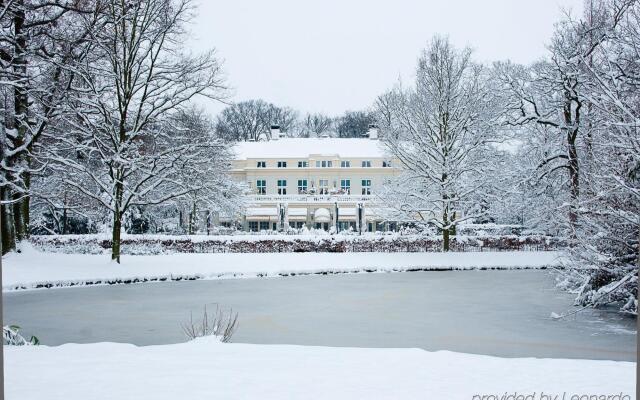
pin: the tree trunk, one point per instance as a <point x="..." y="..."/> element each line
<point x="445" y="229"/>
<point x="572" y="125"/>
<point x="21" y="112"/>
<point x="117" y="219"/>
<point x="193" y="220"/>
<point x="18" y="221"/>
<point x="115" y="237"/>
<point x="8" y="234"/>
<point x="574" y="181"/>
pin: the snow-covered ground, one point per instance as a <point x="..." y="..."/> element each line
<point x="207" y="369"/>
<point x="32" y="268"/>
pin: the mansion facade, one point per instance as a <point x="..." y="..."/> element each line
<point x="321" y="183"/>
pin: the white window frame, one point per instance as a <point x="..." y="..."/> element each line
<point x="282" y="164"/>
<point x="345" y="184"/>
<point x="282" y="187"/>
<point x="303" y="186"/>
<point x="345" y="164"/>
<point x="261" y="164"/>
<point x="261" y="189"/>
<point x="386" y="164"/>
<point x="303" y="164"/>
<point x="323" y="189"/>
<point x="366" y="164"/>
<point x="366" y="186"/>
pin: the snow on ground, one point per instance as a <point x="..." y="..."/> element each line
<point x="207" y="369"/>
<point x="32" y="268"/>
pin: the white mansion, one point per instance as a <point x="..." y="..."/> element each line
<point x="322" y="183"/>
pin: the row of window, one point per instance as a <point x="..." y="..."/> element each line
<point x="324" y="164"/>
<point x="323" y="186"/>
<point x="256" y="226"/>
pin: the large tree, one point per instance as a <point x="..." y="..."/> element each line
<point x="38" y="40"/>
<point x="135" y="77"/>
<point x="438" y="131"/>
<point x="606" y="256"/>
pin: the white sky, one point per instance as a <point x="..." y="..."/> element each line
<point x="331" y="55"/>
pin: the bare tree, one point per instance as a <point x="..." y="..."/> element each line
<point x="438" y="131"/>
<point x="38" y="39"/>
<point x="605" y="261"/>
<point x="353" y="124"/>
<point x="315" y="125"/>
<point x="252" y="119"/>
<point x="134" y="77"/>
<point x="213" y="189"/>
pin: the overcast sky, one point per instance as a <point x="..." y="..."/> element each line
<point x="336" y="55"/>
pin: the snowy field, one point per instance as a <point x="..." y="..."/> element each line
<point x="207" y="369"/>
<point x="32" y="268"/>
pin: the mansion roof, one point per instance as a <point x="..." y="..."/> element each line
<point x="305" y="147"/>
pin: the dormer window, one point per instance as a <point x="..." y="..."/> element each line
<point x="366" y="164"/>
<point x="261" y="164"/>
<point x="282" y="164"/>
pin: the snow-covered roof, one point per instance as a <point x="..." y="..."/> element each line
<point x="303" y="148"/>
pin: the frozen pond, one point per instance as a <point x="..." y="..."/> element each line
<point x="504" y="313"/>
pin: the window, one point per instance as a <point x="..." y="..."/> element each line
<point x="324" y="164"/>
<point x="261" y="164"/>
<point x="296" y="224"/>
<point x="345" y="164"/>
<point x="302" y="186"/>
<point x="366" y="164"/>
<point x="264" y="225"/>
<point x="253" y="226"/>
<point x="261" y="185"/>
<point x="282" y="164"/>
<point x="346" y="226"/>
<point x="386" y="164"/>
<point x="366" y="186"/>
<point x="303" y="164"/>
<point x="324" y="186"/>
<point x="282" y="186"/>
<point x="345" y="185"/>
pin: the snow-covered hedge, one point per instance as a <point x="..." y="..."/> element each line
<point x="158" y="244"/>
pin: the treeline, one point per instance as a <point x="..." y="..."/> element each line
<point x="252" y="120"/>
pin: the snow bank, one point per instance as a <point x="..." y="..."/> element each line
<point x="34" y="269"/>
<point x="207" y="369"/>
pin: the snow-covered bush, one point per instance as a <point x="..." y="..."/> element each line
<point x="221" y="324"/>
<point x="289" y="243"/>
<point x="12" y="337"/>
